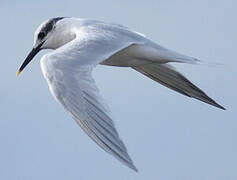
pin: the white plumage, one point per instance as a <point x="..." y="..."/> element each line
<point x="79" y="45"/>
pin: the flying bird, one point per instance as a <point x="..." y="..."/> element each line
<point x="78" y="46"/>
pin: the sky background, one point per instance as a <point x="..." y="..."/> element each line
<point x="168" y="136"/>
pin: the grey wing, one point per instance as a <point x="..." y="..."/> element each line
<point x="166" y="75"/>
<point x="68" y="73"/>
<point x="151" y="60"/>
<point x="80" y="96"/>
<point x="141" y="50"/>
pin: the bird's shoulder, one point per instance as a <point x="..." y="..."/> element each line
<point x="106" y="29"/>
<point x="95" y="42"/>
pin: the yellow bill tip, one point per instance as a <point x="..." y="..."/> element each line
<point x="18" y="73"/>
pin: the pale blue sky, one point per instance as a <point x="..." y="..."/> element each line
<point x="169" y="136"/>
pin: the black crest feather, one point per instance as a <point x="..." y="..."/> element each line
<point x="49" y="26"/>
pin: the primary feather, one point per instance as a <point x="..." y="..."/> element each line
<point x="68" y="73"/>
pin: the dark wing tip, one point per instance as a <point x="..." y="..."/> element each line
<point x="219" y="106"/>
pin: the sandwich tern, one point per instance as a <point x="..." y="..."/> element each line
<point x="81" y="44"/>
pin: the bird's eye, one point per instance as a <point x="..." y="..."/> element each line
<point x="41" y="35"/>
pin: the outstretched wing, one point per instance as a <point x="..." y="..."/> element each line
<point x="68" y="73"/>
<point x="166" y="75"/>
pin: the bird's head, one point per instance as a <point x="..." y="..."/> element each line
<point x="51" y="34"/>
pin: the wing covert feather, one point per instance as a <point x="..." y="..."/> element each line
<point x="68" y="71"/>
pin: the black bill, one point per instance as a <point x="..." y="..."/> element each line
<point x="30" y="56"/>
